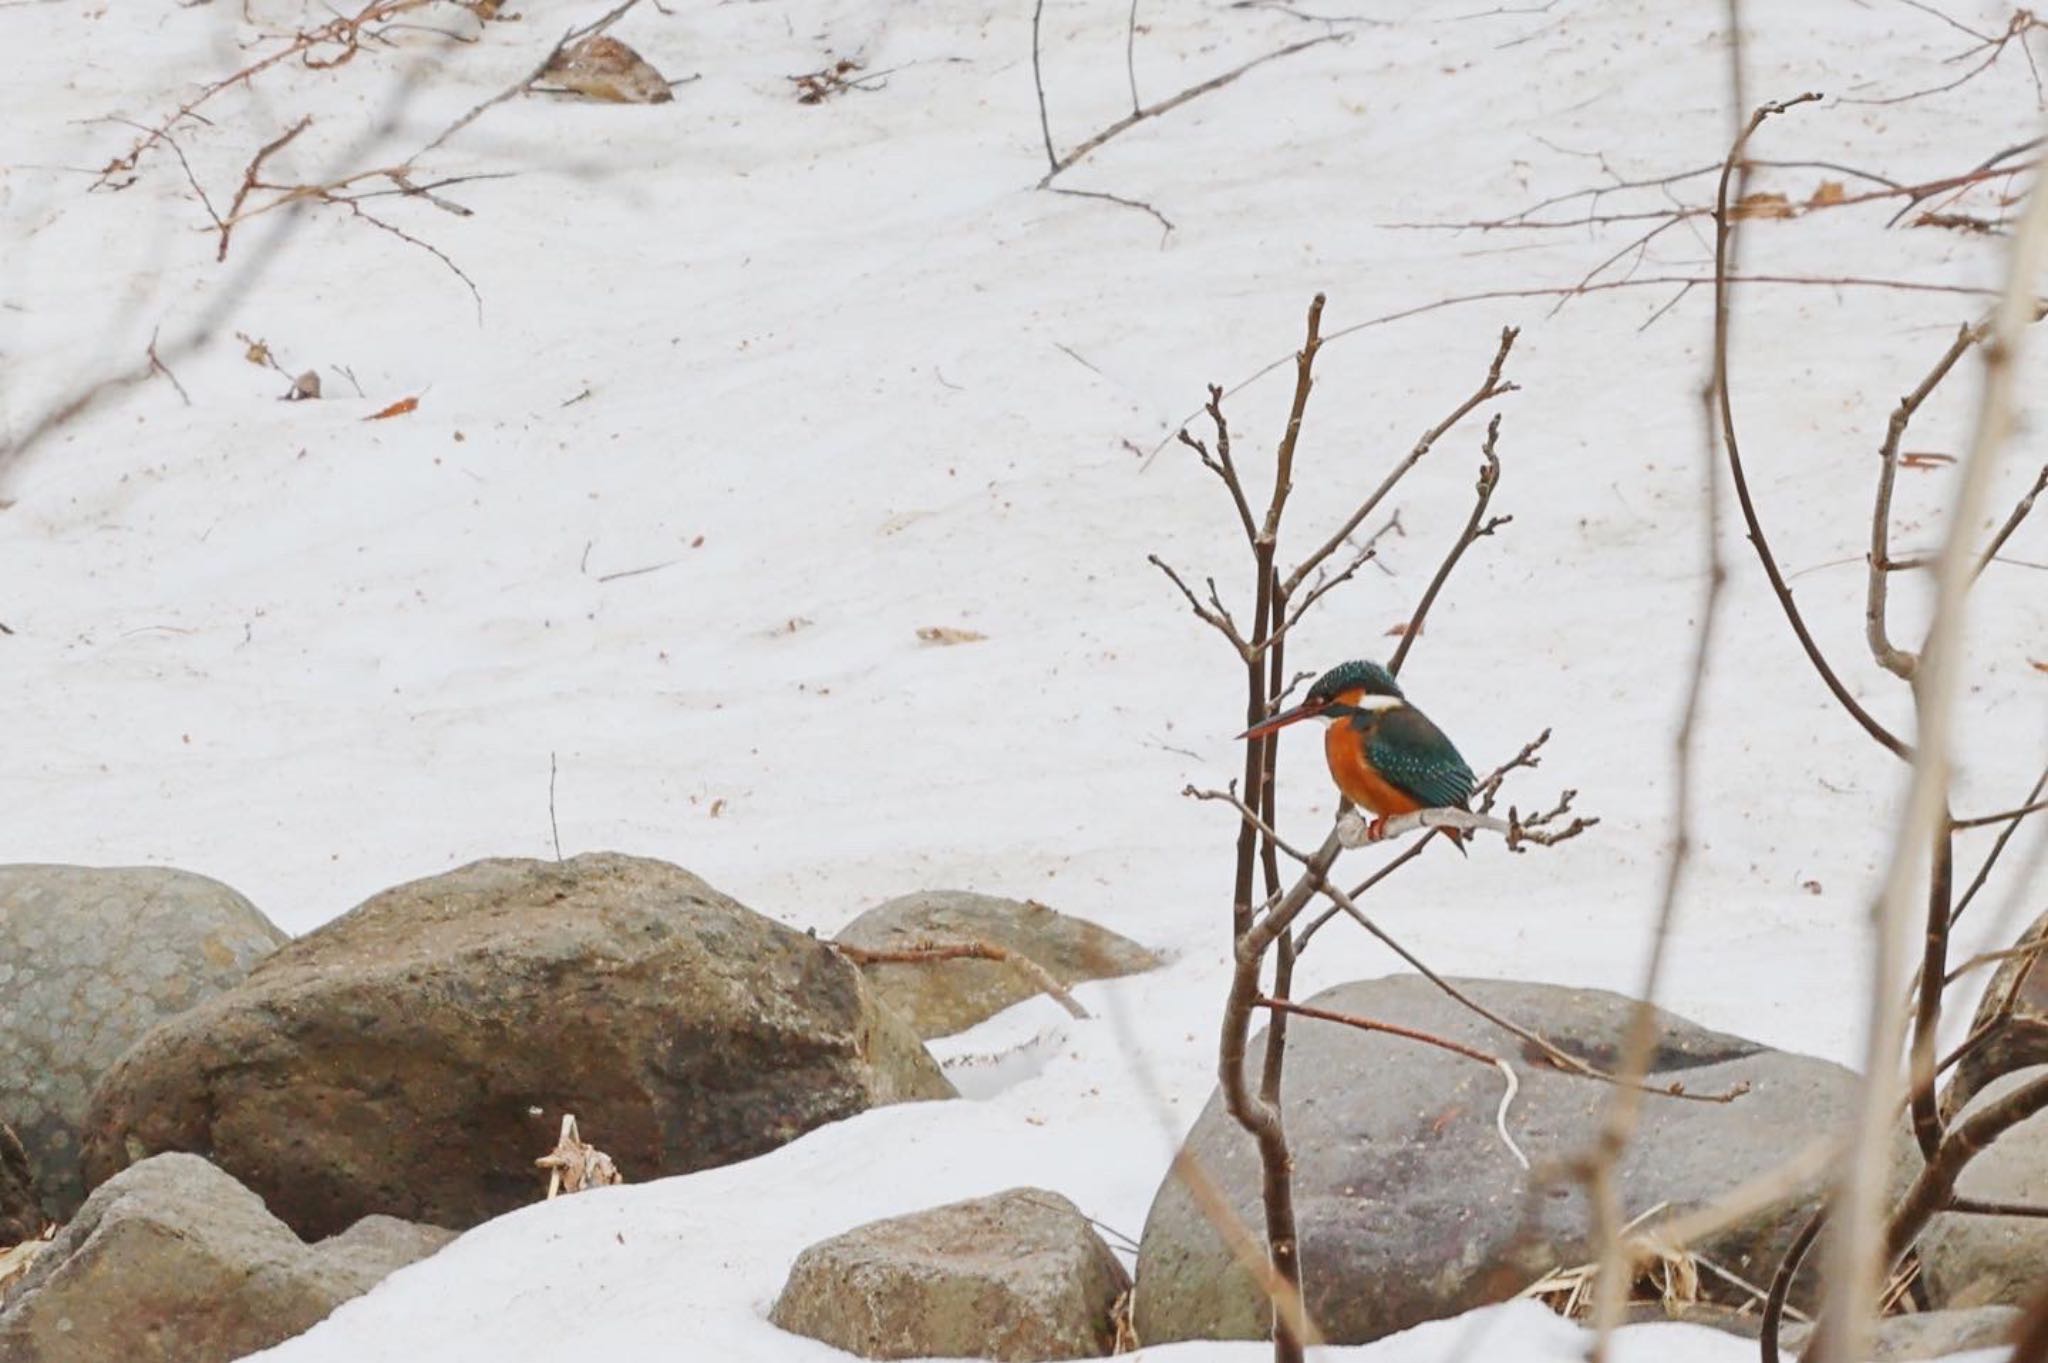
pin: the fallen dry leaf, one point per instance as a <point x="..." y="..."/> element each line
<point x="398" y="408"/>
<point x="1763" y="204"/>
<point x="1828" y="194"/>
<point x="601" y="67"/>
<point x="1400" y="631"/>
<point x="1923" y="459"/>
<point x="947" y="634"/>
<point x="2039" y="666"/>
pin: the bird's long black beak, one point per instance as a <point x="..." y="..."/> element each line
<point x="1306" y="710"/>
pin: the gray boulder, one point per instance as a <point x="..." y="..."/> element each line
<point x="944" y="997"/>
<point x="415" y="1056"/>
<point x="175" y="1262"/>
<point x="1925" y="1335"/>
<point x="1020" y="1275"/>
<point x="1970" y="1260"/>
<point x="1408" y="1204"/>
<point x="90" y="959"/>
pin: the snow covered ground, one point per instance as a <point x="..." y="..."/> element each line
<point x="837" y="373"/>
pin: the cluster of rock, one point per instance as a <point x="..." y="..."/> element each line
<point x="364" y="1093"/>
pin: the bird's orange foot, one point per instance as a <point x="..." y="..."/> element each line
<point x="1377" y="829"/>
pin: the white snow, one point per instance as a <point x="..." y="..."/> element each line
<point x="848" y="376"/>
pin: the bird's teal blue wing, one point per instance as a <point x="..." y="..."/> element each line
<point x="1413" y="754"/>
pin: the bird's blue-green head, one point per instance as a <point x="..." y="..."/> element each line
<point x="1356" y="675"/>
<point x="1343" y="690"/>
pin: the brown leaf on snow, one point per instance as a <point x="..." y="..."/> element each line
<point x="1924" y="459"/>
<point x="1828" y="194"/>
<point x="2039" y="666"/>
<point x="602" y="67"/>
<point x="1400" y="631"/>
<point x="947" y="634"/>
<point x="398" y="408"/>
<point x="1763" y="204"/>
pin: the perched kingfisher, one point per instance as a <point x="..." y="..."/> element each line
<point x="1384" y="754"/>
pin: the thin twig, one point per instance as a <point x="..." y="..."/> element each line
<point x="1216" y="618"/>
<point x="1732" y="447"/>
<point x="2003" y="816"/>
<point x="1491" y="387"/>
<point x="1052" y="158"/>
<point x="1366" y="1024"/>
<point x="1997" y="850"/>
<point x="1476" y="526"/>
<point x="157" y="365"/>
<point x="1130" y="59"/>
<point x="2012" y="522"/>
<point x="553" y="827"/>
<point x="1165" y="223"/>
<point x="1892" y="659"/>
<point x="1562" y="1059"/>
<point x="1131" y="120"/>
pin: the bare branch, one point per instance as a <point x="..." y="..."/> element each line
<point x="1490" y="388"/>
<point x="2003" y="816"/>
<point x="1475" y="527"/>
<point x="1131" y="120"/>
<point x="1327" y="582"/>
<point x="1997" y="850"/>
<point x="1365" y="1024"/>
<point x="1052" y="159"/>
<point x="1558" y="1057"/>
<point x="1895" y="660"/>
<point x="2012" y="522"/>
<point x="1221" y="463"/>
<point x="1732" y="446"/>
<point x="1216" y="620"/>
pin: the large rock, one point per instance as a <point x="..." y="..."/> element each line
<point x="1925" y="1335"/>
<point x="1408" y="1204"/>
<point x="1971" y="1260"/>
<point x="91" y="959"/>
<point x="415" y="1056"/>
<point x="175" y="1262"/>
<point x="944" y="997"/>
<point x="1020" y="1275"/>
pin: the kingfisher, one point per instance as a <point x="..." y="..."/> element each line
<point x="1384" y="754"/>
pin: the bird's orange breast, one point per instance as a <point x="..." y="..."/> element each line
<point x="1344" y="746"/>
